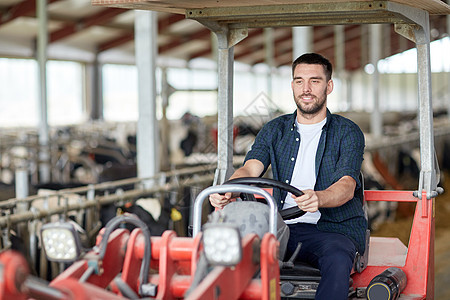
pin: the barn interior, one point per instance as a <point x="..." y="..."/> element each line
<point x="107" y="110"/>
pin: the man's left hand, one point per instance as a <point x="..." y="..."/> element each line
<point x="309" y="201"/>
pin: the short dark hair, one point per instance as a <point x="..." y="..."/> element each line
<point x="314" y="59"/>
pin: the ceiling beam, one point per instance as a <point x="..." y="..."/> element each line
<point x="116" y="42"/>
<point x="324" y="40"/>
<point x="96" y="19"/>
<point x="24" y="8"/>
<point x="282" y="38"/>
<point x="179" y="41"/>
<point x="208" y="50"/>
<point x="321" y="32"/>
<point x="248" y="45"/>
<point x="284" y="59"/>
<point x="353" y="54"/>
<point x="286" y="49"/>
<point x="163" y="25"/>
<point x="204" y="52"/>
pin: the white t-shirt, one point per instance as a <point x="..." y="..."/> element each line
<point x="304" y="174"/>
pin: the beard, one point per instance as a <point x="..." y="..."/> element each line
<point x="312" y="108"/>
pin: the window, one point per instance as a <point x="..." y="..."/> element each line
<point x="120" y="93"/>
<point x="19" y="92"/>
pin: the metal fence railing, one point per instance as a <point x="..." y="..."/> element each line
<point x="20" y="219"/>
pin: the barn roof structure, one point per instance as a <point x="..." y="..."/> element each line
<point x="84" y="31"/>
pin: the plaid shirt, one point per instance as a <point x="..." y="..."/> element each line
<point x="339" y="153"/>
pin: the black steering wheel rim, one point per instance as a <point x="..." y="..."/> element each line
<point x="286" y="214"/>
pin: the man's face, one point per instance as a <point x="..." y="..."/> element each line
<point x="310" y="88"/>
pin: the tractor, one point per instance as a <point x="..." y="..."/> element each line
<point x="219" y="261"/>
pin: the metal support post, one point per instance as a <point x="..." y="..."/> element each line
<point x="302" y="40"/>
<point x="224" y="111"/>
<point x="270" y="54"/>
<point x="21" y="182"/>
<point x="147" y="127"/>
<point x="420" y="34"/>
<point x="339" y="54"/>
<point x="165" y="126"/>
<point x="428" y="175"/>
<point x="94" y="97"/>
<point x="376" y="121"/>
<point x="226" y="39"/>
<point x="41" y="53"/>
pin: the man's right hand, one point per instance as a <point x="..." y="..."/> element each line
<point x="219" y="201"/>
<point x="251" y="168"/>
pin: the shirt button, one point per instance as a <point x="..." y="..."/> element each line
<point x="282" y="201"/>
<point x="292" y="129"/>
<point x="297" y="139"/>
<point x="287" y="181"/>
<point x="292" y="158"/>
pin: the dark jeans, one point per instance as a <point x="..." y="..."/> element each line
<point x="331" y="253"/>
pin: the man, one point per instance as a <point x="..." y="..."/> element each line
<point x="321" y="154"/>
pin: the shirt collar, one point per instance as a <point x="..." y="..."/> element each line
<point x="294" y="115"/>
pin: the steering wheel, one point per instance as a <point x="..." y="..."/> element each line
<point x="286" y="214"/>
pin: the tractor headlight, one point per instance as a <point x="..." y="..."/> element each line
<point x="222" y="244"/>
<point x="60" y="242"/>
